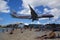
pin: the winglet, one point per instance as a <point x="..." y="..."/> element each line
<point x="13" y="13"/>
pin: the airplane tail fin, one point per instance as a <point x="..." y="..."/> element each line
<point x="34" y="16"/>
<point x="13" y="14"/>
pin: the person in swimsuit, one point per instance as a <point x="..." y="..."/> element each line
<point x="50" y="35"/>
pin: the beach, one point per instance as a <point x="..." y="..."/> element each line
<point x="26" y="35"/>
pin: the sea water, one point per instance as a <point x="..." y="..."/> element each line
<point x="5" y="29"/>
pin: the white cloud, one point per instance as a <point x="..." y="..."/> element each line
<point x="5" y="11"/>
<point x="38" y="22"/>
<point x="42" y="18"/>
<point x="55" y="12"/>
<point x="51" y="3"/>
<point x="26" y="23"/>
<point x="46" y="10"/>
<point x="35" y="3"/>
<point x="4" y="7"/>
<point x="25" y="11"/>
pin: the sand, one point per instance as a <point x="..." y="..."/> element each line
<point x="26" y="35"/>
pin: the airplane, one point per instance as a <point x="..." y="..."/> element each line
<point x="33" y="15"/>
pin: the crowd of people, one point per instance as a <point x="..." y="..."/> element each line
<point x="52" y="34"/>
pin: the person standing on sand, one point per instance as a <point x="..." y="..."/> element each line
<point x="21" y="25"/>
<point x="31" y="27"/>
<point x="12" y="29"/>
<point x="3" y="30"/>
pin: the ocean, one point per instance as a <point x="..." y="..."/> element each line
<point x="5" y="29"/>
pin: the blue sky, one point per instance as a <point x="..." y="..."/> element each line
<point x="20" y="6"/>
